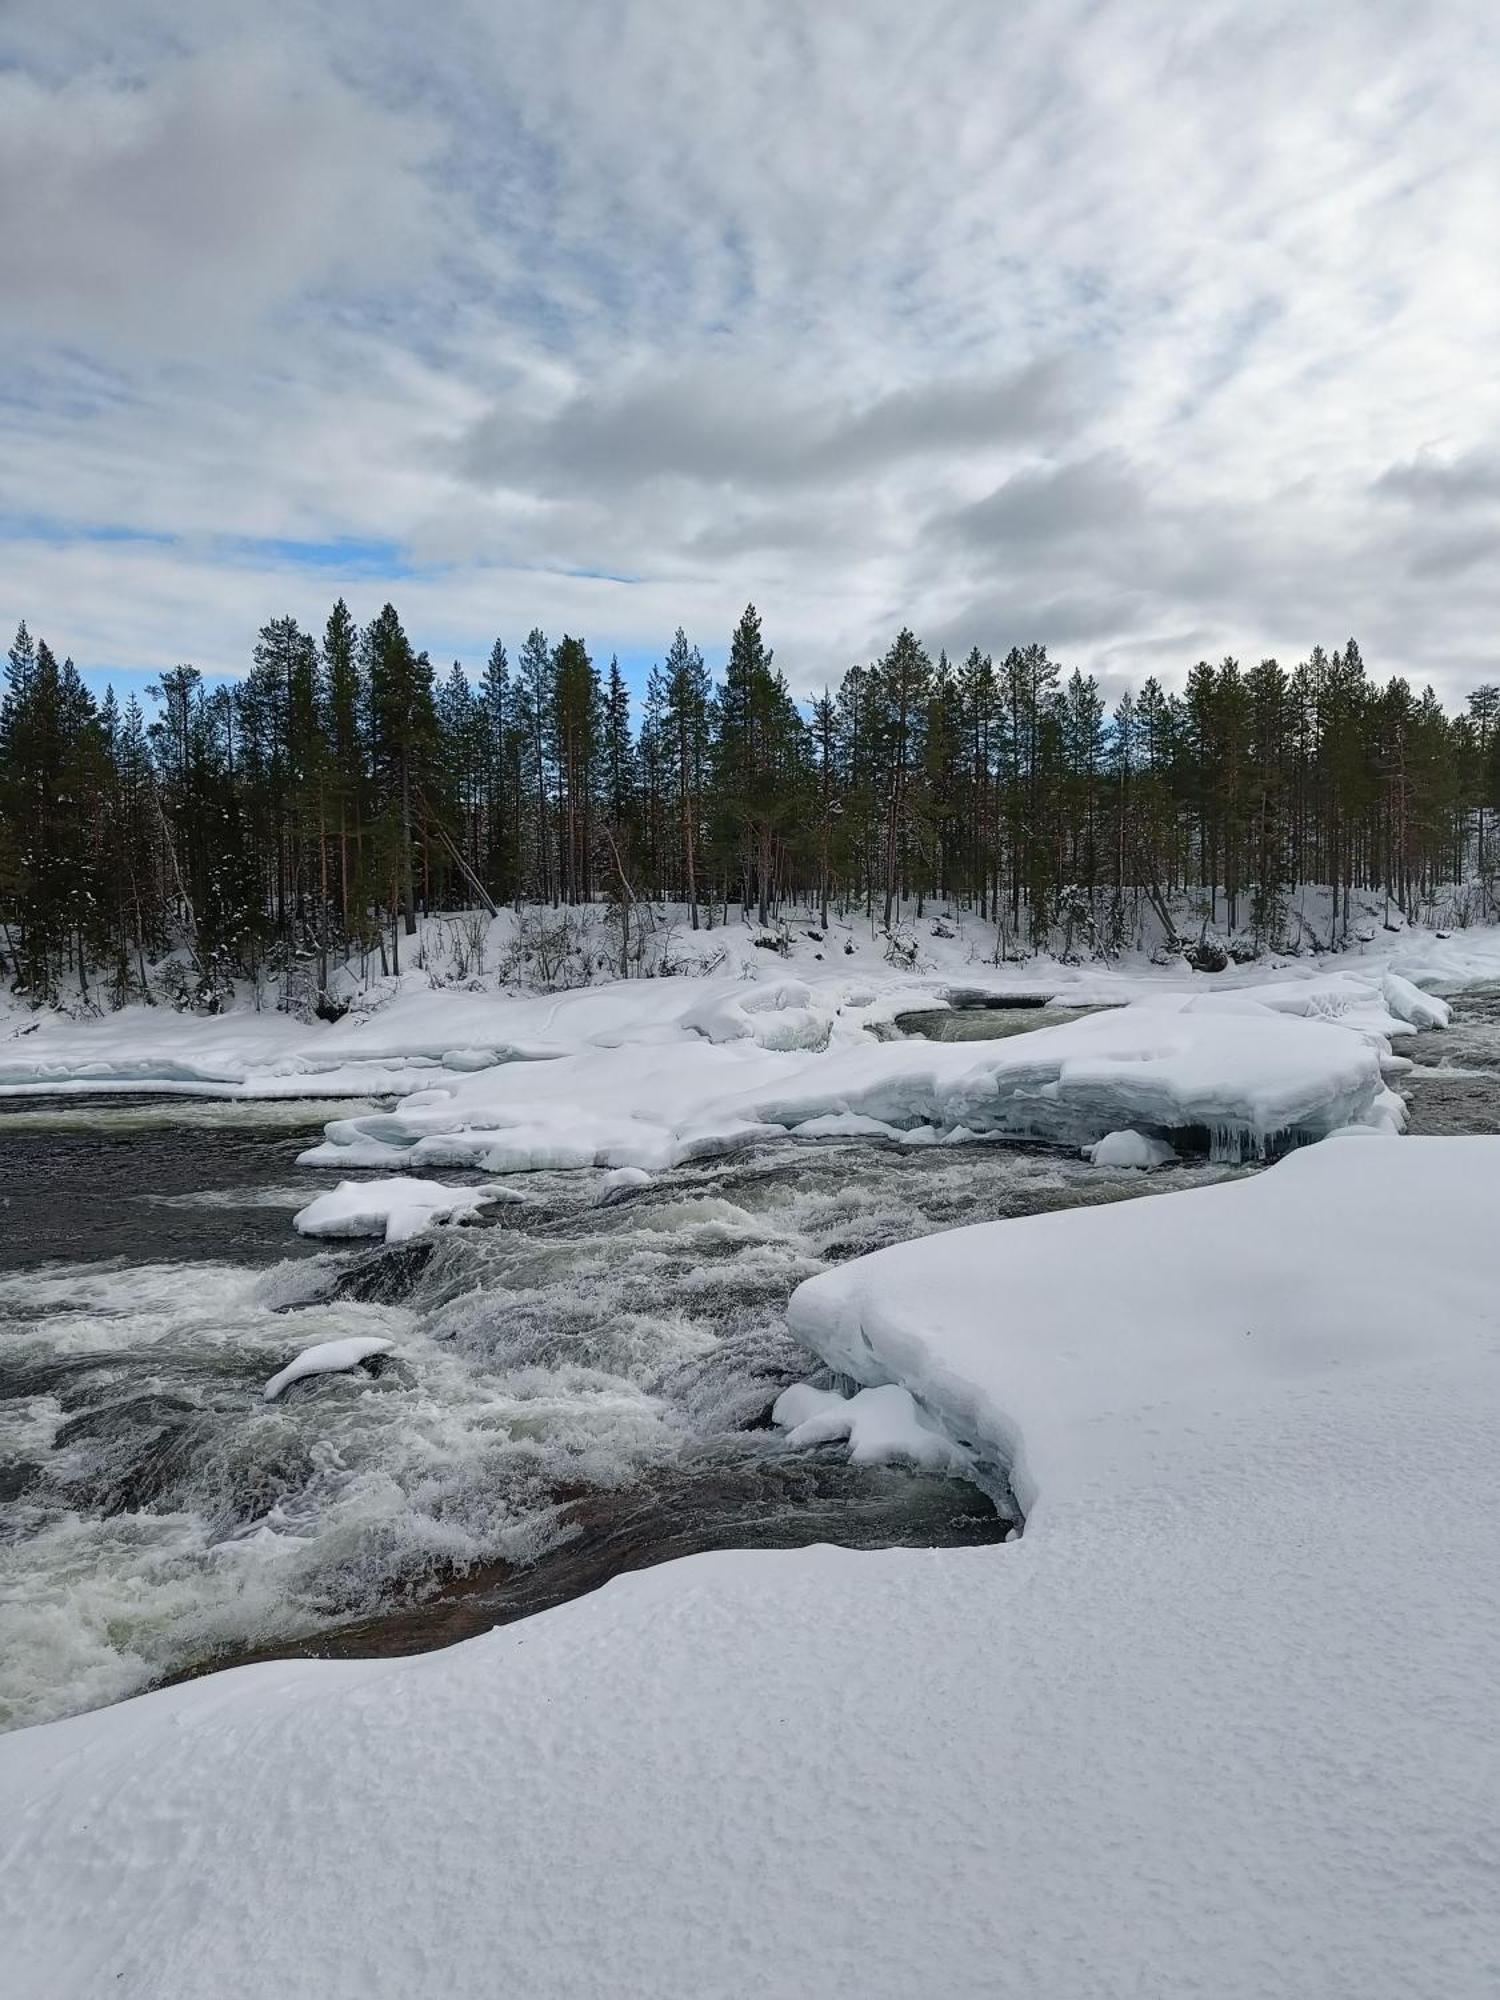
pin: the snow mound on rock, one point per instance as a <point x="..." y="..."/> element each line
<point x="883" y="1426"/>
<point x="619" y="1184"/>
<point x="396" y="1209"/>
<point x="1410" y="1004"/>
<point x="1130" y="1149"/>
<point x="329" y="1357"/>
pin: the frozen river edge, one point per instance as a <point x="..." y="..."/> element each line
<point x="1221" y="1651"/>
<point x="1246" y="1639"/>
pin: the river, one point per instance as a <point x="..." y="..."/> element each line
<point x="575" y="1389"/>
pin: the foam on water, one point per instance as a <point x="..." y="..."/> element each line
<point x="160" y="1513"/>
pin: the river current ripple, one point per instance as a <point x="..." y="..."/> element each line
<point x="575" y="1388"/>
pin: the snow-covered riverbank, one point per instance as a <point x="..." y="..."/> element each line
<point x="648" y="1073"/>
<point x="1221" y="1722"/>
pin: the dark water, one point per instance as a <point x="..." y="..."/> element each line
<point x="574" y="1390"/>
<point x="153" y="1177"/>
<point x="1455" y="1086"/>
<point x="727" y="1494"/>
<point x="988" y="1023"/>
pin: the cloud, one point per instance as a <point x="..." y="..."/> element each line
<point x="714" y="427"/>
<point x="1449" y="553"/>
<point x="175" y="208"/>
<point x="1146" y="333"/>
<point x="1047" y="505"/>
<point x="1472" y="480"/>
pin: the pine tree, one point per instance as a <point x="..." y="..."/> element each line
<point x="535" y="738"/>
<point x="577" y="725"/>
<point x="686" y="711"/>
<point x="342" y="702"/>
<point x="261" y="825"/>
<point x="403" y="738"/>
<point x="495" y="728"/>
<point x="759" y="763"/>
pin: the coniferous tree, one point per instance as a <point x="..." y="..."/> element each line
<point x="261" y="826"/>
<point x="403" y="738"/>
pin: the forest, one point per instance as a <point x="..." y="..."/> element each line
<point x="344" y="786"/>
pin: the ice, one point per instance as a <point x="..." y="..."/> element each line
<point x="800" y="1402"/>
<point x="1130" y="1149"/>
<point x="1253" y="1079"/>
<point x="328" y="1357"/>
<point x="847" y="1125"/>
<point x="882" y="1425"/>
<point x="395" y="1209"/>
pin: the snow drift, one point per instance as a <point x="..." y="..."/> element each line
<point x="1252" y="1080"/>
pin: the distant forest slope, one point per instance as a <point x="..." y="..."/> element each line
<point x="344" y="787"/>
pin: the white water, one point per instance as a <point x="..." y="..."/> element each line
<point x="162" y="1513"/>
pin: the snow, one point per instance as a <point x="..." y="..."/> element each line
<point x="1221" y="1722"/>
<point x="1254" y="1078"/>
<point x="395" y="1209"/>
<point x="1130" y="1149"/>
<point x="646" y="1074"/>
<point x="411" y="1033"/>
<point x="883" y="1425"/>
<point x="1408" y="1003"/>
<point x="329" y="1357"/>
<point x="619" y="1184"/>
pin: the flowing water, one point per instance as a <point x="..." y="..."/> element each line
<point x="985" y="1021"/>
<point x="575" y="1389"/>
<point x="1455" y="1086"/>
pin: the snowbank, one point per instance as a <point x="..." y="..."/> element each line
<point x="329" y="1357"/>
<point x="1253" y="1080"/>
<point x="403" y="1035"/>
<point x="394" y="1209"/>
<point x="1221" y="1722"/>
<point x="1089" y="1344"/>
<point x="648" y="1073"/>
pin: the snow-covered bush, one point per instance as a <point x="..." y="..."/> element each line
<point x="552" y="951"/>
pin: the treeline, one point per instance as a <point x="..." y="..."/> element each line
<point x="343" y="786"/>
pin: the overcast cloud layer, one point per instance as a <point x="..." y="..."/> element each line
<point x="1152" y="331"/>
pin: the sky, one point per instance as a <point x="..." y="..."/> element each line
<point x="1152" y="330"/>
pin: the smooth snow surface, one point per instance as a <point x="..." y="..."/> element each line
<point x="328" y="1357"/>
<point x="395" y="1209"/>
<point x="1130" y="1149"/>
<point x="1222" y="1723"/>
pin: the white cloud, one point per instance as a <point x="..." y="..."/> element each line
<point x="160" y="214"/>
<point x="1133" y="329"/>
